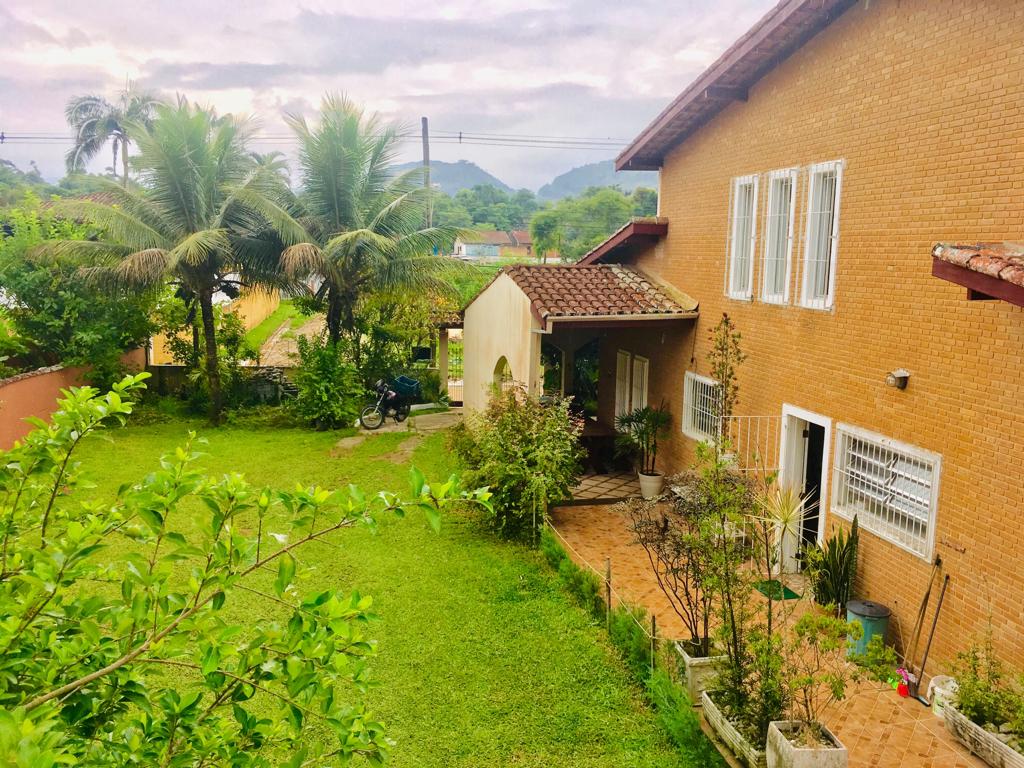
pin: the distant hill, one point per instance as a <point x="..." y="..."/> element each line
<point x="451" y="177"/>
<point x="602" y="174"/>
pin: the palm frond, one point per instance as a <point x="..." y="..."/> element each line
<point x="202" y="246"/>
<point x="117" y="223"/>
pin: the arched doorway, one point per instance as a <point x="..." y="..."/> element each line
<point x="503" y="381"/>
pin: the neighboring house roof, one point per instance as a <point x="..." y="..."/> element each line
<point x="988" y="270"/>
<point x="627" y="238"/>
<point x="521" y="237"/>
<point x="487" y="237"/>
<point x="778" y="34"/>
<point x="104" y="197"/>
<point x="607" y="291"/>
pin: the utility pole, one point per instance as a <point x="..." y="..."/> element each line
<point x="426" y="170"/>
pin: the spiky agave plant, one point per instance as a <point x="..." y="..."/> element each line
<point x="833" y="568"/>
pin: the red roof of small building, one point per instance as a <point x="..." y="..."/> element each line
<point x="987" y="270"/>
<point x="488" y="237"/>
<point x="637" y="232"/>
<point x="1004" y="261"/>
<point x="598" y="290"/>
<point x="522" y="237"/>
<point x="779" y="33"/>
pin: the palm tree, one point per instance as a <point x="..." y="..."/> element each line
<point x="97" y="121"/>
<point x="366" y="224"/>
<point x="208" y="218"/>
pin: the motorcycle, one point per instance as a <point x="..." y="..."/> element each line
<point x="393" y="399"/>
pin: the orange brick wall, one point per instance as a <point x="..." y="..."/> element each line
<point x="924" y="100"/>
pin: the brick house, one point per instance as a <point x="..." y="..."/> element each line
<point x="815" y="183"/>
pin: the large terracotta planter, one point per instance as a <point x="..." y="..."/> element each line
<point x="782" y="753"/>
<point x="982" y="743"/>
<point x="651" y="485"/>
<point x="745" y="752"/>
<point x="698" y="671"/>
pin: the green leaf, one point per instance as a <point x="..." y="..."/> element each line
<point x="285" y="573"/>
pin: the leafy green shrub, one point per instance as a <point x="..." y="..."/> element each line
<point x="626" y="629"/>
<point x="156" y="665"/>
<point x="677" y="716"/>
<point x="433" y="391"/>
<point x="984" y="694"/>
<point x="56" y="314"/>
<point x="527" y="453"/>
<point x="330" y="392"/>
<point x="832" y="568"/>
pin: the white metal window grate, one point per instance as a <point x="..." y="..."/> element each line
<point x="891" y="487"/>
<point x="778" y="236"/>
<point x="824" y="185"/>
<point x="701" y="407"/>
<point x="742" y="237"/>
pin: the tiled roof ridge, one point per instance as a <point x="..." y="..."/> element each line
<point x="1001" y="260"/>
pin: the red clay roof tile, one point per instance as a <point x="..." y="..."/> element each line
<point x="1004" y="261"/>
<point x="571" y="290"/>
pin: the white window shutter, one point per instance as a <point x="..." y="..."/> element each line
<point x="639" y="389"/>
<point x="621" y="383"/>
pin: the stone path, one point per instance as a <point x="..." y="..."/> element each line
<point x="417" y="427"/>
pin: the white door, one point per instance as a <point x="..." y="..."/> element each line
<point x="621" y="383"/>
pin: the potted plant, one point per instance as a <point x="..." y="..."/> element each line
<point x="640" y="430"/>
<point x="815" y="674"/>
<point x="986" y="713"/>
<point x="678" y="548"/>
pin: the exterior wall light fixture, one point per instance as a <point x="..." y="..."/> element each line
<point x="897" y="378"/>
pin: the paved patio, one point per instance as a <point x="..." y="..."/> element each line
<point x="606" y="488"/>
<point x="877" y="726"/>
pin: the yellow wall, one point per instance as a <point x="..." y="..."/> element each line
<point x="499" y="323"/>
<point x="253" y="307"/>
<point x="924" y="101"/>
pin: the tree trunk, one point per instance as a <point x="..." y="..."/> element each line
<point x="113" y="165"/>
<point x="212" y="363"/>
<point x="333" y="316"/>
<point x="124" y="159"/>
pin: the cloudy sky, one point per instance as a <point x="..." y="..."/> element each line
<point x="581" y="68"/>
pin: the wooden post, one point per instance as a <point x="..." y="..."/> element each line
<point x="608" y="593"/>
<point x="654" y="640"/>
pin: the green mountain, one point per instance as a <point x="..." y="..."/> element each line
<point x="451" y="177"/>
<point x="601" y="174"/>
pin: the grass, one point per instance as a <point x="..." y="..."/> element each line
<point x="286" y="312"/>
<point x="483" y="659"/>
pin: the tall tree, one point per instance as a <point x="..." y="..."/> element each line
<point x="208" y="218"/>
<point x="97" y="121"/>
<point x="366" y="225"/>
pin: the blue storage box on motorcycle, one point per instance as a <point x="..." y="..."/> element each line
<point x="406" y="387"/>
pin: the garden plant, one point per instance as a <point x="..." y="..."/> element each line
<point x="143" y="660"/>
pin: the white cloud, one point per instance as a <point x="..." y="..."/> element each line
<point x="551" y="67"/>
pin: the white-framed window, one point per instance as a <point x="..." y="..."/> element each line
<point x="824" y="184"/>
<point x="742" y="237"/>
<point x="632" y="373"/>
<point x="780" y="219"/>
<point x="638" y="390"/>
<point x="702" y="418"/>
<point x="891" y="487"/>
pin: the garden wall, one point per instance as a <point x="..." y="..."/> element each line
<point x="35" y="394"/>
<point x="252" y="307"/>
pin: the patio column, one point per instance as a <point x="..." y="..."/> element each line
<point x="568" y="362"/>
<point x="442" y="357"/>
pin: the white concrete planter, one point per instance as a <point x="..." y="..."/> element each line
<point x="782" y="753"/>
<point x="982" y="743"/>
<point x="651" y="485"/>
<point x="698" y="671"/>
<point x="745" y="752"/>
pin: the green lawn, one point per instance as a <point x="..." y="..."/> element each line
<point x="286" y="312"/>
<point x="483" y="660"/>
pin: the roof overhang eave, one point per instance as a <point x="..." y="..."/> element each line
<point x="591" y="320"/>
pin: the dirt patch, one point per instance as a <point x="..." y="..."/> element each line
<point x="280" y="348"/>
<point x="403" y="453"/>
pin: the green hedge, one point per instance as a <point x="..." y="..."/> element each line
<point x="670" y="701"/>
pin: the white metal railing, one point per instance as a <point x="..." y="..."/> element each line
<point x="753" y="441"/>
